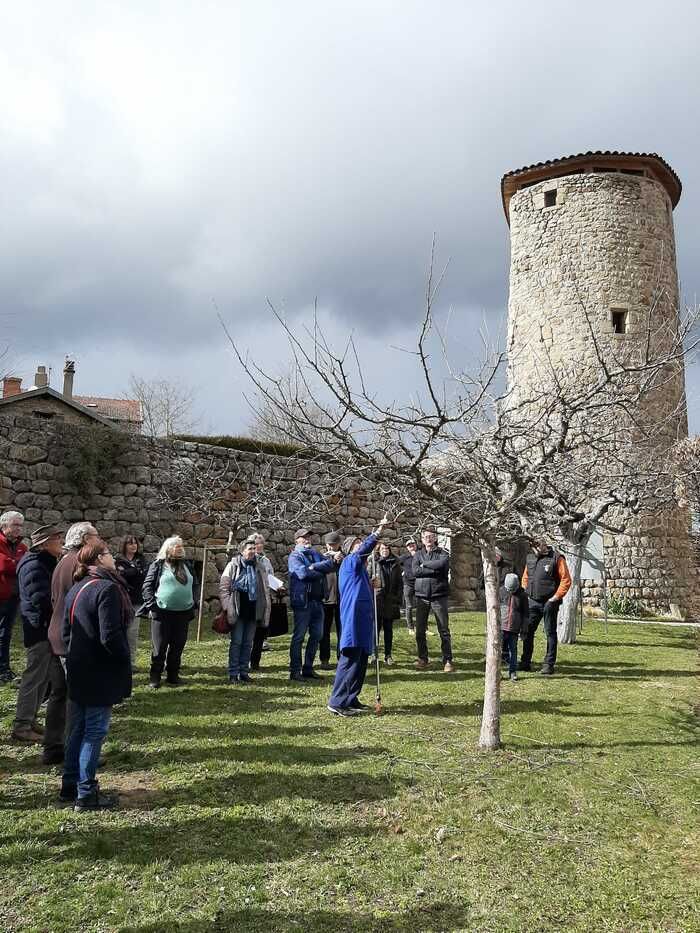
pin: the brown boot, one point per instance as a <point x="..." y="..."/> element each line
<point x="421" y="664"/>
<point x="27" y="735"/>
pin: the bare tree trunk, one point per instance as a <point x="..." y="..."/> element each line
<point x="566" y="622"/>
<point x="490" y="736"/>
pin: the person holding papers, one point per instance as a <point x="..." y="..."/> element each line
<point x="277" y="586"/>
<point x="244" y="592"/>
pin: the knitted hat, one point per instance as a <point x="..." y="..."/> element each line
<point x="511" y="582"/>
<point x="42" y="535"/>
<point x="333" y="539"/>
<point x="348" y="543"/>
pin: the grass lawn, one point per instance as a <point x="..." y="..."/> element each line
<point x="254" y="809"/>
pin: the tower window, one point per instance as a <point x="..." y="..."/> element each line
<point x="619" y="322"/>
<point x="550" y="198"/>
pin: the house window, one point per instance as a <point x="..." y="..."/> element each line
<point x="550" y="198"/>
<point x="619" y="321"/>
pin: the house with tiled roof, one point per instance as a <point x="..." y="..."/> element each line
<point x="43" y="402"/>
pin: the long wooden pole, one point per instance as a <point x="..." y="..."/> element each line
<point x="201" y="595"/>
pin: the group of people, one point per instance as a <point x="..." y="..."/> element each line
<point x="81" y="607"/>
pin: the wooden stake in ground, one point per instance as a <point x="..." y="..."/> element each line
<point x="378" y="708"/>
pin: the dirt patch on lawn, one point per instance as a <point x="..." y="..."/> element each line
<point x="138" y="790"/>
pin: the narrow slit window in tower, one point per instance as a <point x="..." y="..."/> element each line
<point x="550" y="198"/>
<point x="619" y="321"/>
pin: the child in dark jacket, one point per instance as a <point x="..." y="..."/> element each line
<point x="514" y="616"/>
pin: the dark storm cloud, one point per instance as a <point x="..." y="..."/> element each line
<point x="152" y="166"/>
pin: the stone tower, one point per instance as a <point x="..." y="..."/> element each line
<point x="597" y="229"/>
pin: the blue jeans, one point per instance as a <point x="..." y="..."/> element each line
<point x="8" y="611"/>
<point x="349" y="678"/>
<point x="242" y="636"/>
<point x="306" y="620"/>
<point x="510" y="650"/>
<point x="87" y="728"/>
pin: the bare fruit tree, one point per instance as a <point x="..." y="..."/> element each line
<point x="167" y="406"/>
<point x="269" y="424"/>
<point x="489" y="462"/>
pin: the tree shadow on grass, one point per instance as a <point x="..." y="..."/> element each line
<point x="329" y="789"/>
<point x="592" y="671"/>
<point x="240" y="840"/>
<point x="253" y="789"/>
<point x="641" y="645"/>
<point x="151" y="729"/>
<point x="135" y="759"/>
<point x="217" y="699"/>
<point x="509" y="707"/>
<point x="432" y="918"/>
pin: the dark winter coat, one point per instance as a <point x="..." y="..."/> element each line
<point x="34" y="580"/>
<point x="150" y="589"/>
<point x="97" y="613"/>
<point x="307" y="569"/>
<point x="357" y="599"/>
<point x="10" y="556"/>
<point x="389" y="596"/>
<point x="514" y="610"/>
<point x="133" y="573"/>
<point x="406" y="561"/>
<point x="61" y="582"/>
<point x="432" y="571"/>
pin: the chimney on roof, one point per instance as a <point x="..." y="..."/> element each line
<point x="41" y="380"/>
<point x="11" y="385"/>
<point x="68" y="374"/>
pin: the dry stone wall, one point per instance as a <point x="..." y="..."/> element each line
<point x="40" y="462"/>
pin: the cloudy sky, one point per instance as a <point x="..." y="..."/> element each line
<point x="161" y="159"/>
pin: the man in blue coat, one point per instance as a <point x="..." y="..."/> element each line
<point x="307" y="589"/>
<point x="356" y="624"/>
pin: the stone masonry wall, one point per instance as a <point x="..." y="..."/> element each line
<point x="128" y="494"/>
<point x="607" y="243"/>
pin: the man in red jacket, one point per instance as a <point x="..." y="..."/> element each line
<point x="11" y="550"/>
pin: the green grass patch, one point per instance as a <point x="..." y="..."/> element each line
<point x="253" y="809"/>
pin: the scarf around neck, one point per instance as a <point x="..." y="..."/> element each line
<point x="247" y="581"/>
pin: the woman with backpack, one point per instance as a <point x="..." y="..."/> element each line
<point x="98" y="666"/>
